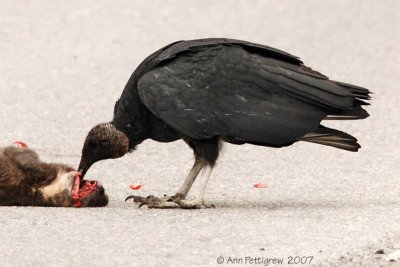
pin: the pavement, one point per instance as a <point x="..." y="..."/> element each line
<point x="63" y="64"/>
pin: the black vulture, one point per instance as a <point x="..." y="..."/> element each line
<point x="210" y="91"/>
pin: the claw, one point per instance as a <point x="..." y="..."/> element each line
<point x="166" y="202"/>
<point x="142" y="204"/>
<point x="149" y="200"/>
<point x="138" y="198"/>
<point x="129" y="197"/>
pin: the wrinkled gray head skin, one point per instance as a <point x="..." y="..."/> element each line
<point x="104" y="141"/>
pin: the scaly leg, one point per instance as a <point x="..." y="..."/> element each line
<point x="198" y="203"/>
<point x="194" y="172"/>
<point x="206" y="152"/>
<point x="172" y="202"/>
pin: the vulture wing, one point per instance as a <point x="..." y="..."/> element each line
<point x="241" y="91"/>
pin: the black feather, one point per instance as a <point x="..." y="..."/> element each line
<point x="235" y="90"/>
<point x="332" y="137"/>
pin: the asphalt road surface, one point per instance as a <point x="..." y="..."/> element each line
<point x="63" y="65"/>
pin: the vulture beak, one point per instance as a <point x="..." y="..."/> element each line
<point x="83" y="167"/>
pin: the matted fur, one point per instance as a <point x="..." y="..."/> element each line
<point x="27" y="181"/>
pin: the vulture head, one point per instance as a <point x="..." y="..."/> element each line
<point x="104" y="141"/>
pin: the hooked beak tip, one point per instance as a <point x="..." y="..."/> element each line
<point x="82" y="170"/>
<point x="84" y="167"/>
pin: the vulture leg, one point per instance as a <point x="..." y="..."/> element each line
<point x="198" y="203"/>
<point x="194" y="172"/>
<point x="178" y="200"/>
<point x="206" y="153"/>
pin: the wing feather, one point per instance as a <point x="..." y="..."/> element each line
<point x="216" y="97"/>
<point x="243" y="92"/>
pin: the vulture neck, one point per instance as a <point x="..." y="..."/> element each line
<point x="130" y="118"/>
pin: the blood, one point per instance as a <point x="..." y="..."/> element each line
<point x="21" y="144"/>
<point x="87" y="188"/>
<point x="75" y="191"/>
<point x="136" y="187"/>
<point x="78" y="192"/>
<point x="260" y="185"/>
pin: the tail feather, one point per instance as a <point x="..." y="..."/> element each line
<point x="331" y="137"/>
<point x="356" y="112"/>
<point x="357" y="91"/>
<point x="349" y="114"/>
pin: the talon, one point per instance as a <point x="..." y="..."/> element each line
<point x="142" y="204"/>
<point x="173" y="202"/>
<point x="129" y="197"/>
<point x="150" y="197"/>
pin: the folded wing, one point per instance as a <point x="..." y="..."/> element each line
<point x="243" y="95"/>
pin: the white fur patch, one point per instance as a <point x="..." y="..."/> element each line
<point x="63" y="182"/>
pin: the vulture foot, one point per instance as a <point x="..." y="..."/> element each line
<point x="194" y="204"/>
<point x="154" y="202"/>
<point x="166" y="202"/>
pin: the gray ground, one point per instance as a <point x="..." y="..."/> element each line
<point x="63" y="64"/>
